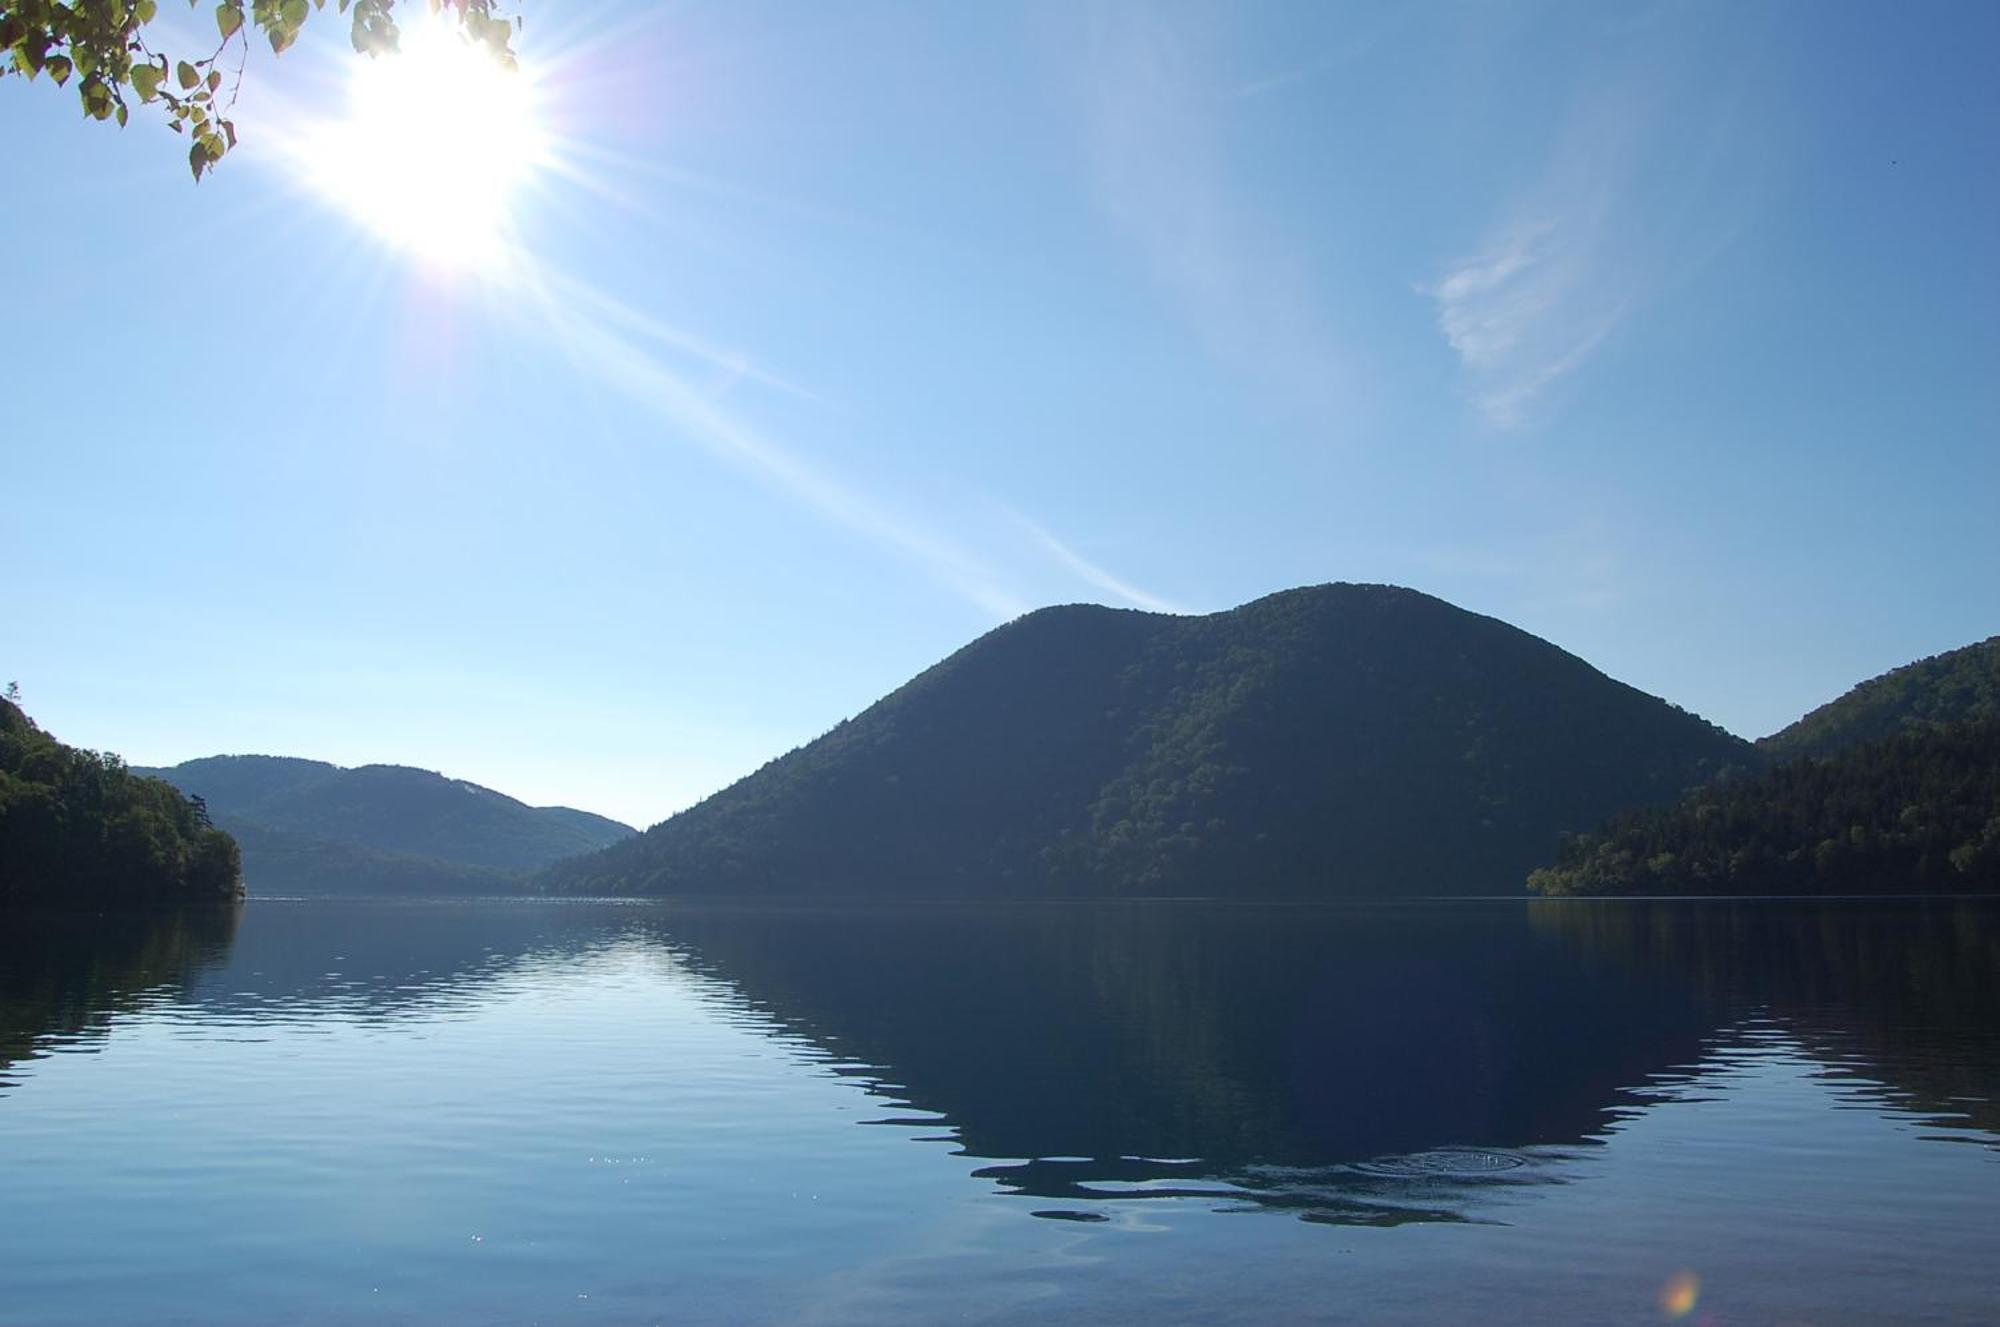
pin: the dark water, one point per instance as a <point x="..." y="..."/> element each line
<point x="520" y="1113"/>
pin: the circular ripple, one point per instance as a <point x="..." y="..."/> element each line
<point x="1445" y="1163"/>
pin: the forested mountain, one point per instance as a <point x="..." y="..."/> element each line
<point x="1915" y="813"/>
<point x="310" y="827"/>
<point x="281" y="861"/>
<point x="1893" y="788"/>
<point x="1343" y="739"/>
<point x="80" y="830"/>
<point x="1945" y="688"/>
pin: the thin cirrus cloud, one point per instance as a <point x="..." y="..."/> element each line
<point x="1555" y="276"/>
<point x="1529" y="310"/>
<point x="1155" y="121"/>
<point x="607" y="340"/>
<point x="1649" y="177"/>
<point x="598" y="334"/>
<point x="1093" y="574"/>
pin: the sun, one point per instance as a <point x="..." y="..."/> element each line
<point x="438" y="143"/>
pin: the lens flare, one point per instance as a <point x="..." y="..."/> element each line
<point x="1680" y="1294"/>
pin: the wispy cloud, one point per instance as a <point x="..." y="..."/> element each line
<point x="1157" y="146"/>
<point x="1648" y="177"/>
<point x="594" y="333"/>
<point x="610" y="342"/>
<point x="1528" y="311"/>
<point x="1093" y="574"/>
<point x="733" y="366"/>
<point x="1553" y="279"/>
<point x="1361" y="35"/>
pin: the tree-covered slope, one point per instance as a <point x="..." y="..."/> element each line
<point x="1343" y="739"/>
<point x="283" y="861"/>
<point x="310" y="827"/>
<point x="1945" y="688"/>
<point x="80" y="830"/>
<point x="1918" y="812"/>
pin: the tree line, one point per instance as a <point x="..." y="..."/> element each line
<point x="1915" y="813"/>
<point x="80" y="830"/>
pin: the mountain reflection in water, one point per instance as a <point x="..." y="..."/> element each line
<point x="1369" y="1064"/>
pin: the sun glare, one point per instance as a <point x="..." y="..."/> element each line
<point x="438" y="142"/>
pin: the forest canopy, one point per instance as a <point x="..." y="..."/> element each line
<point x="1946" y="688"/>
<point x="1915" y="813"/>
<point x="80" y="830"/>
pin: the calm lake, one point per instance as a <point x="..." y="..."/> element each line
<point x="352" y="1112"/>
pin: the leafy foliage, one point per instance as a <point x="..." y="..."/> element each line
<point x="1945" y="688"/>
<point x="104" y="46"/>
<point x="1918" y="813"/>
<point x="80" y="830"/>
<point x="1335" y="740"/>
<point x="308" y="827"/>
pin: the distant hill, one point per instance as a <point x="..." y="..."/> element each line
<point x="1945" y="688"/>
<point x="1343" y="739"/>
<point x="282" y="861"/>
<point x="1893" y="788"/>
<point x="310" y="827"/>
<point x="1918" y="812"/>
<point x="78" y="830"/>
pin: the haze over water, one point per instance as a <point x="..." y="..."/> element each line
<point x="520" y="1113"/>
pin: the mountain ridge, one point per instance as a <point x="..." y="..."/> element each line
<point x="1309" y="741"/>
<point x="1892" y="788"/>
<point x="1948" y="687"/>
<point x="313" y="826"/>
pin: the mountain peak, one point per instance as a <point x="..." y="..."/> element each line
<point x="1324" y="740"/>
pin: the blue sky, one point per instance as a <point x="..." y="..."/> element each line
<point x="837" y="335"/>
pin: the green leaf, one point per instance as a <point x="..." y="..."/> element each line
<point x="228" y="18"/>
<point x="96" y="99"/>
<point x="197" y="160"/>
<point x="187" y="74"/>
<point x="58" y="68"/>
<point x="146" y="81"/>
<point x="145" y="10"/>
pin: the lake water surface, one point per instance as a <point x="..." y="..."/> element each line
<point x="352" y="1112"/>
